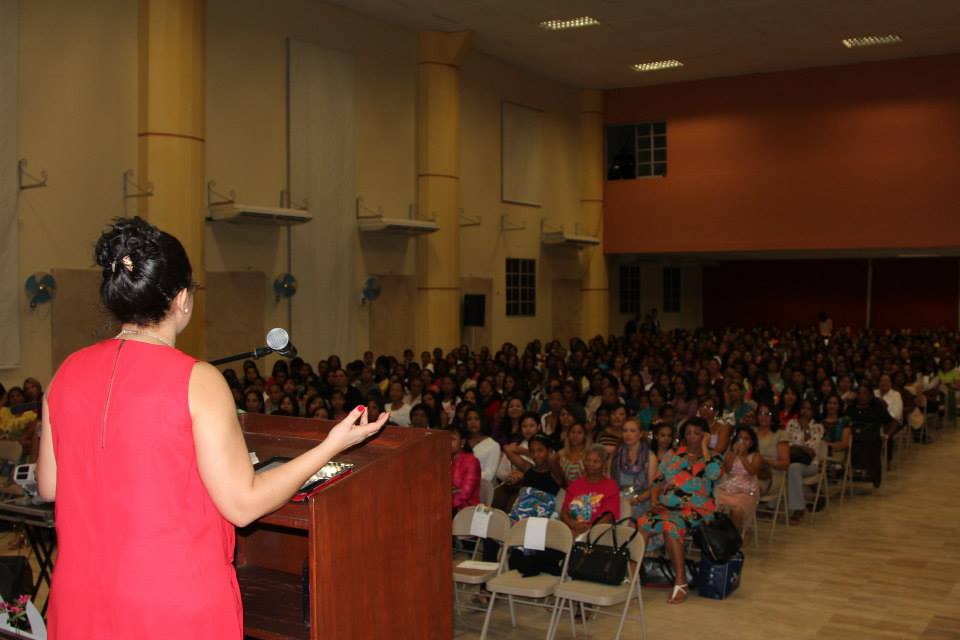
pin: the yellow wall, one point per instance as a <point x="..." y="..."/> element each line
<point x="78" y="118"/>
<point x="486" y="83"/>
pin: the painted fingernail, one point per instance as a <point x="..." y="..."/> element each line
<point x="360" y="408"/>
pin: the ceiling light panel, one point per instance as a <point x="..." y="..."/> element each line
<point x="657" y="65"/>
<point x="869" y="41"/>
<point x="569" y="23"/>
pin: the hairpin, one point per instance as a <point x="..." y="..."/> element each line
<point x="127" y="262"/>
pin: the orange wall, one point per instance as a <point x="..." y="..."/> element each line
<point x="859" y="156"/>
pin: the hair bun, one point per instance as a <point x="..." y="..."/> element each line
<point x="129" y="242"/>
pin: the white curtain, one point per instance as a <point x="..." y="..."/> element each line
<point x="322" y="170"/>
<point x="10" y="298"/>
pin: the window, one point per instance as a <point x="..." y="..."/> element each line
<point x="637" y="151"/>
<point x="521" y="287"/>
<point x="629" y="288"/>
<point x="671" y="290"/>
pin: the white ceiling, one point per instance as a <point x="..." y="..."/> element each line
<point x="712" y="38"/>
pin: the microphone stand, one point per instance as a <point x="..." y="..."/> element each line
<point x="256" y="354"/>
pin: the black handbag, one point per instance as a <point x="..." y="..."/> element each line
<point x="718" y="539"/>
<point x="657" y="573"/>
<point x="529" y="562"/>
<point x="606" y="564"/>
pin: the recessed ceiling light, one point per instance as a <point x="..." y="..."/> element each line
<point x="657" y="65"/>
<point x="869" y="41"/>
<point x="569" y="23"/>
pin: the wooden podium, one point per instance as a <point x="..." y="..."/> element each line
<point x="377" y="542"/>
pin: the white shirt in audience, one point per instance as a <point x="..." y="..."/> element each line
<point x="506" y="467"/>
<point x="894" y="403"/>
<point x="488" y="453"/>
<point x="401" y="416"/>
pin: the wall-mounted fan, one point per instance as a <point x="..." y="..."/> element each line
<point x="41" y="288"/>
<point x="371" y="289"/>
<point x="285" y="286"/>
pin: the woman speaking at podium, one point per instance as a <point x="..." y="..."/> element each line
<point x="142" y="450"/>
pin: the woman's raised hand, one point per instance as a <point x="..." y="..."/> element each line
<point x="348" y="432"/>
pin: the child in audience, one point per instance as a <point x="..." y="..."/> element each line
<point x="739" y="489"/>
<point x="663" y="437"/>
<point x="465" y="472"/>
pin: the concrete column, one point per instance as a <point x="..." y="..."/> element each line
<point x="595" y="285"/>
<point x="171" y="135"/>
<point x="439" y="56"/>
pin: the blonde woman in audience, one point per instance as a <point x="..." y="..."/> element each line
<point x="634" y="467"/>
<point x="740" y="489"/>
<point x="806" y="449"/>
<point x="569" y="461"/>
<point x="484" y="447"/>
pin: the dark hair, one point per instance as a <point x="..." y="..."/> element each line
<point x="576" y="410"/>
<point x="657" y="428"/>
<point x="543" y="439"/>
<point x="464" y="438"/>
<point x="484" y="427"/>
<point x="143" y="270"/>
<point x="695" y="421"/>
<point x="754" y="441"/>
<point x="432" y="419"/>
<point x="258" y="395"/>
<point x="293" y="400"/>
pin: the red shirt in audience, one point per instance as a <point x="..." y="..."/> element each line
<point x="587" y="500"/>
<point x="466" y="480"/>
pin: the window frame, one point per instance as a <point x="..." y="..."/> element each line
<point x="629" y="289"/>
<point x="672" y="290"/>
<point x="520" y="287"/>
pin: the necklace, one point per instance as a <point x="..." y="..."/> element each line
<point x="131" y="332"/>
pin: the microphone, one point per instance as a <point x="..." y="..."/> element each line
<point x="279" y="340"/>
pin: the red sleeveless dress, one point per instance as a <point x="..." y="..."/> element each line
<point x="143" y="552"/>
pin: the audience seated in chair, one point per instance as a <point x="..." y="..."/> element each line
<point x="683" y="498"/>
